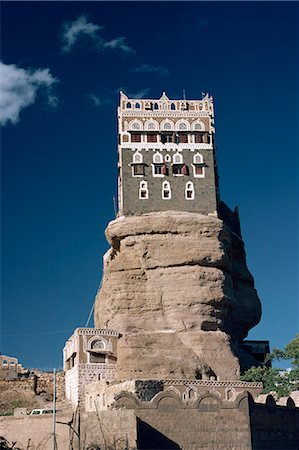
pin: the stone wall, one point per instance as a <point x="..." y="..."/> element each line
<point x="35" y="432"/>
<point x="205" y="191"/>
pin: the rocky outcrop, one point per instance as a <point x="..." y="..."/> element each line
<point x="177" y="287"/>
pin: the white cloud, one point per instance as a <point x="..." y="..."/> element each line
<point x="74" y="31"/>
<point x="139" y="94"/>
<point x="19" y="88"/>
<point x="120" y="44"/>
<point x="148" y="68"/>
<point x="98" y="101"/>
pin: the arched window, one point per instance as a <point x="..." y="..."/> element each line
<point x="137" y="106"/>
<point x="197" y="159"/>
<point x="198" y="166"/>
<point x="4" y="362"/>
<point x="167" y="158"/>
<point x="166" y="191"/>
<point x="157" y="158"/>
<point x="129" y="105"/>
<point x="98" y="344"/>
<point x="151" y="125"/>
<point x="177" y="158"/>
<point x="137" y="165"/>
<point x="137" y="158"/>
<point x="182" y="126"/>
<point x="143" y="190"/>
<point x="172" y="106"/>
<point x="136" y="126"/>
<point x="198" y="127"/>
<point x="167" y="125"/>
<point x="156" y="106"/>
<point x="159" y="169"/>
<point x="189" y="191"/>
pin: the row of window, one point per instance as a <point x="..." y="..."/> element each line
<point x="162" y="170"/>
<point x="166" y="191"/>
<point x="165" y="125"/>
<point x="177" y="158"/>
<point x="167" y="138"/>
<point x="183" y="106"/>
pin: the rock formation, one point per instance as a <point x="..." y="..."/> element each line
<point x="176" y="286"/>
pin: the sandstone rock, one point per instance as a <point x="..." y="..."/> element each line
<point x="177" y="287"/>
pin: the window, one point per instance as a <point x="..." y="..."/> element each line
<point x="135" y="137"/>
<point x="151" y="125"/>
<point x="137" y="158"/>
<point x="199" y="126"/>
<point x="151" y="138"/>
<point x="137" y="106"/>
<point x="172" y="106"/>
<point x="143" y="190"/>
<point x="167" y="125"/>
<point x="137" y="165"/>
<point x="156" y="106"/>
<point x="180" y="169"/>
<point x="138" y="170"/>
<point x="157" y="158"/>
<point x="167" y="158"/>
<point x="183" y="138"/>
<point x="129" y="105"/>
<point x="166" y="191"/>
<point x="4" y="362"/>
<point x="189" y="191"/>
<point x="135" y="125"/>
<point x="166" y="138"/>
<point x="98" y="344"/>
<point x="198" y="166"/>
<point x="198" y="138"/>
<point x="177" y="158"/>
<point x="182" y="126"/>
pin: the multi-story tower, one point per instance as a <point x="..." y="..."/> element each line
<point x="166" y="156"/>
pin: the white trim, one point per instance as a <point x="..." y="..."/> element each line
<point x="130" y="127"/>
<point x="181" y="160"/>
<point x="198" y="121"/>
<point x="159" y="146"/>
<point x="157" y="175"/>
<point x="143" y="187"/>
<point x="166" y="187"/>
<point x="194" y="167"/>
<point x="137" y="153"/>
<point x="167" y="129"/>
<point x="177" y="125"/>
<point x="158" y="154"/>
<point x="198" y="175"/>
<point x="146" y="125"/>
<point x="136" y="175"/>
<point x="189" y="187"/>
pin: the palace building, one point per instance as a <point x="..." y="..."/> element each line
<point x="166" y="156"/>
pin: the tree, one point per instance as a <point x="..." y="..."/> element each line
<point x="281" y="381"/>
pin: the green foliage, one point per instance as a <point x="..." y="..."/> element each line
<point x="274" y="379"/>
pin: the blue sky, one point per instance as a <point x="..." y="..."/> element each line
<point x="63" y="64"/>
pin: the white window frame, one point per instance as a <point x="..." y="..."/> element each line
<point x="166" y="187"/>
<point x="156" y="163"/>
<point x="194" y="166"/>
<point x="191" y="188"/>
<point x="167" y="121"/>
<point x="147" y="125"/>
<point x="143" y="188"/>
<point x="137" y="154"/>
